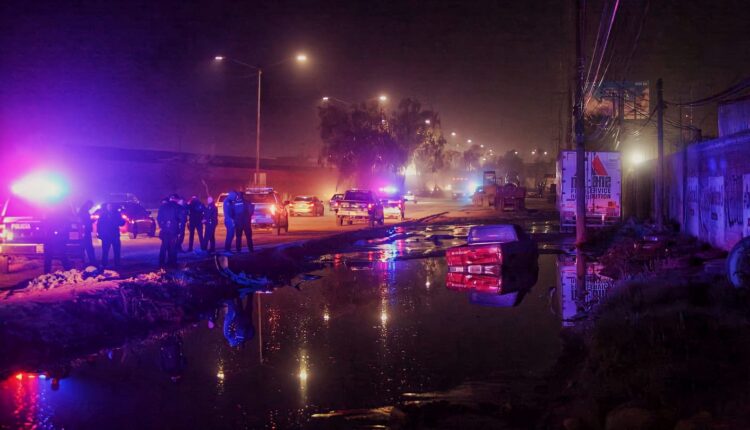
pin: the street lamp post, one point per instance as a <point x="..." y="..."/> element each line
<point x="301" y="58"/>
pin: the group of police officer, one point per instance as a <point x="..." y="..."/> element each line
<point x="176" y="218"/>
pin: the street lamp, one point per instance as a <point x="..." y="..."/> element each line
<point x="300" y="58"/>
<point x="383" y="98"/>
<point x="427" y="121"/>
<point x="453" y="134"/>
<point x="468" y="141"/>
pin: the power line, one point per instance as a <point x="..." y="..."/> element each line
<point x="722" y="95"/>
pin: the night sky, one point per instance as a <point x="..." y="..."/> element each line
<point x="140" y="74"/>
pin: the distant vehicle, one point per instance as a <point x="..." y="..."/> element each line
<point x="510" y="197"/>
<point x="21" y="228"/>
<point x="270" y="211"/>
<point x="498" y="258"/>
<point x="333" y="204"/>
<point x="138" y="220"/>
<point x="122" y="197"/>
<point x="603" y="189"/>
<point x="361" y="205"/>
<point x="220" y="204"/>
<point x="306" y="205"/>
<point x="410" y="197"/>
<point x="393" y="208"/>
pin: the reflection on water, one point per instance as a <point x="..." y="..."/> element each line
<point x="352" y="339"/>
<point x="577" y="298"/>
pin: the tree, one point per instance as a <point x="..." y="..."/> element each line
<point x="472" y="157"/>
<point x="357" y="142"/>
<point x="510" y="165"/>
<point x="362" y="141"/>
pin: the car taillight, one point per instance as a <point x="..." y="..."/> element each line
<point x="474" y="254"/>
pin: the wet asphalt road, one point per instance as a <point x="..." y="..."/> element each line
<point x="373" y="327"/>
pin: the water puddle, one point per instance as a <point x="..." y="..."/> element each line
<point x="377" y="322"/>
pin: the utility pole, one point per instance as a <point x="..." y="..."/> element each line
<point x="579" y="130"/>
<point x="659" y="180"/>
<point x="257" y="133"/>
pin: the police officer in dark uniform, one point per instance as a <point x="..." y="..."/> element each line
<point x="229" y="219"/>
<point x="182" y="215"/>
<point x="84" y="216"/>
<point x="210" y="220"/>
<point x="56" y="229"/>
<point x="242" y="211"/>
<point x="108" y="229"/>
<point x="169" y="222"/>
<point x="195" y="222"/>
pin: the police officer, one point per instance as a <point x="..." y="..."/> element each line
<point x="182" y="215"/>
<point x="229" y="219"/>
<point x="242" y="219"/>
<point x="195" y="222"/>
<point x="108" y="229"/>
<point x="84" y="216"/>
<point x="210" y="220"/>
<point x="169" y="222"/>
<point x="55" y="239"/>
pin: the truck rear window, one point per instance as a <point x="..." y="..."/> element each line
<point x="357" y="195"/>
<point x="492" y="233"/>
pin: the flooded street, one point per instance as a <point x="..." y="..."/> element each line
<point x="378" y="323"/>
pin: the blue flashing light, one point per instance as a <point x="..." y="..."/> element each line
<point x="390" y="189"/>
<point x="40" y="187"/>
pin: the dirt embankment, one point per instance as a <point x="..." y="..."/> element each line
<point x="60" y="318"/>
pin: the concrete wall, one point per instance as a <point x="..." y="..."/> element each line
<point x="95" y="172"/>
<point x="707" y="190"/>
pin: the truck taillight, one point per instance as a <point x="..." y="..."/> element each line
<point x="482" y="283"/>
<point x="474" y="255"/>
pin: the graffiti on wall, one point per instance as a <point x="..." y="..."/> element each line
<point x="692" y="206"/>
<point x="733" y="199"/>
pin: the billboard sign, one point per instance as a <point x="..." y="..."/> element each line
<point x="610" y="98"/>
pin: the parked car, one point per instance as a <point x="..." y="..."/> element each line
<point x="360" y="205"/>
<point x="410" y="197"/>
<point x="138" y="220"/>
<point x="22" y="227"/>
<point x="306" y="205"/>
<point x="393" y="208"/>
<point x="333" y="204"/>
<point x="270" y="211"/>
